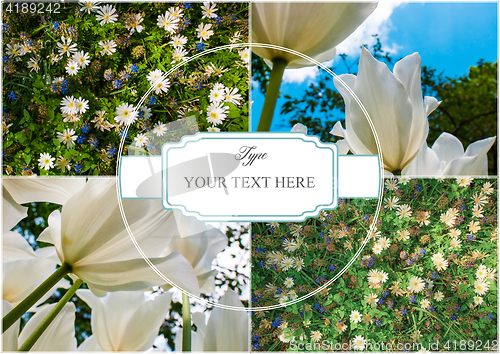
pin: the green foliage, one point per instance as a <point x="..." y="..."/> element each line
<point x="33" y="96"/>
<point x="328" y="242"/>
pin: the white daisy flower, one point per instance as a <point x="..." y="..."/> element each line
<point x="216" y="113"/>
<point x="232" y="96"/>
<point x="141" y="140"/>
<point x="168" y="22"/>
<point x="82" y="59"/>
<point x="125" y="114"/>
<point x="67" y="137"/>
<point x="66" y="47"/>
<point x="106" y="14"/>
<point x="159" y="129"/>
<point x="68" y="104"/>
<point x="209" y="10"/>
<point x="213" y="129"/>
<point x="46" y="161"/>
<point x="355" y="316"/>
<point x="204" y="31"/>
<point x="178" y="41"/>
<point x="108" y="47"/>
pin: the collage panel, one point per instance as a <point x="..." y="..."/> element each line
<point x="424" y="278"/>
<point x="78" y="77"/>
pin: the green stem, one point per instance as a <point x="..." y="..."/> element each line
<point x="16" y="313"/>
<point x="50" y="317"/>
<point x="272" y="94"/>
<point x="186" y="323"/>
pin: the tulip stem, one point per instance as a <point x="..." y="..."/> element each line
<point x="272" y="94"/>
<point x="186" y="323"/>
<point x="16" y="313"/>
<point x="35" y="335"/>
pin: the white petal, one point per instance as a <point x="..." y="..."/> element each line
<point x="9" y="337"/>
<point x="16" y="247"/>
<point x="426" y="163"/>
<point x="338" y="130"/>
<point x="227" y="330"/>
<point x="430" y="104"/>
<point x="52" y="190"/>
<point x="342" y="147"/>
<point x="12" y="212"/>
<point x="447" y="147"/>
<point x="197" y="338"/>
<point x="301" y="128"/>
<point x="90" y="345"/>
<point x="474" y="162"/>
<point x="59" y="335"/>
<point x="135" y="274"/>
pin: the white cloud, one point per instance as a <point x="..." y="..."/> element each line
<point x="377" y="23"/>
<point x="300" y="75"/>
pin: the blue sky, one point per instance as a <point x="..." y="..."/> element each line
<point x="450" y="37"/>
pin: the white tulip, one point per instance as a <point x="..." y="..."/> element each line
<point x="90" y="236"/>
<point x="124" y="320"/>
<point x="395" y="106"/>
<point x="200" y="244"/>
<point x="447" y="158"/>
<point x="313" y="29"/>
<point x="59" y="335"/>
<point x="24" y="269"/>
<point x="226" y="330"/>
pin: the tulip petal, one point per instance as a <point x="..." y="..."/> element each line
<point x="16" y="247"/>
<point x="227" y="330"/>
<point x="430" y="104"/>
<point x="426" y="163"/>
<point x="474" y="162"/>
<point x="289" y="25"/>
<point x="447" y="147"/>
<point x="12" y="212"/>
<point x="197" y="338"/>
<point x="300" y="128"/>
<point x="342" y="145"/>
<point x="90" y="345"/>
<point x="135" y="274"/>
<point x="59" y="335"/>
<point x="59" y="190"/>
<point x="92" y="218"/>
<point x="9" y="337"/>
<point x="142" y="328"/>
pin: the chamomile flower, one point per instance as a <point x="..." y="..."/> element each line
<point x="377" y="248"/>
<point x="179" y="54"/>
<point x="355" y="316"/>
<point x="454" y="232"/>
<point x="82" y="105"/>
<point x="33" y="64"/>
<point x="108" y="47"/>
<point x="438" y="296"/>
<point x="125" y="114"/>
<point x="46" y="161"/>
<point x="72" y="67"/>
<point x="448" y="219"/>
<point x="479" y="199"/>
<point x="168" y="22"/>
<point x="441" y="264"/>
<point x="316" y="336"/>
<point x="477" y="211"/>
<point x="178" y="41"/>
<point x="133" y="23"/>
<point x="231" y="95"/>
<point x="487" y="188"/>
<point x="204" y="31"/>
<point x="384" y="242"/>
<point x="68" y="105"/>
<point x="213" y="129"/>
<point x="464" y="182"/>
<point x="292" y="295"/>
<point x="491" y="274"/>
<point x="481" y="287"/>
<point x="216" y="113"/>
<point x="286" y="263"/>
<point x="209" y="10"/>
<point x="403" y="235"/>
<point x="154" y="76"/>
<point x="481" y="272"/>
<point x="474" y="226"/>
<point x="217" y="93"/>
<point x="81" y="58"/>
<point x="289" y="282"/>
<point x="67" y="137"/>
<point x="161" y="86"/>
<point x="358" y="343"/>
<point x="373" y="276"/>
<point x="245" y="55"/>
<point x="391" y="184"/>
<point x="425" y="304"/>
<point x="106" y="14"/>
<point x="455" y="243"/>
<point x="159" y="129"/>
<point x="141" y="140"/>
<point x="437" y="256"/>
<point x="66" y="47"/>
<point x="298" y="263"/>
<point x="145" y="112"/>
<point x="391" y="202"/>
<point x="89" y="6"/>
<point x="416" y="285"/>
<point x="478" y="300"/>
<point x="371" y="299"/>
<point x="404" y="211"/>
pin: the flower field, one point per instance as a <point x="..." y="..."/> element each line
<point x="74" y="74"/>
<point x="426" y="278"/>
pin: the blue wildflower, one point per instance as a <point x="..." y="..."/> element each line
<point x="78" y="168"/>
<point x="55" y="26"/>
<point x="277" y="321"/>
<point x="200" y="47"/>
<point x="13" y="96"/>
<point x="93" y="142"/>
<point x="80" y="139"/>
<point x="85" y="128"/>
<point x="454" y="317"/>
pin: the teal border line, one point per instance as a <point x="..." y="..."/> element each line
<point x="249" y="218"/>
